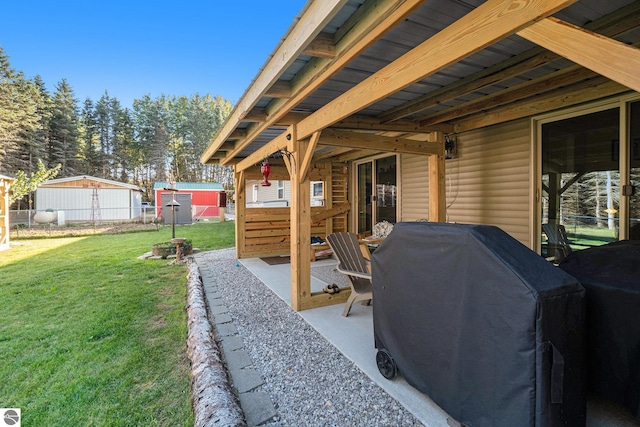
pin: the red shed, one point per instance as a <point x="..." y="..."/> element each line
<point x="206" y="197"/>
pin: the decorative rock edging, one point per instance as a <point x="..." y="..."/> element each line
<point x="214" y="403"/>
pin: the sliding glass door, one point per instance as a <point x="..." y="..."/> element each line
<point x="589" y="176"/>
<point x="377" y="192"/>
<point x="633" y="188"/>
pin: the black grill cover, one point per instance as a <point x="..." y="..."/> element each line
<point x="492" y="332"/>
<point x="610" y="275"/>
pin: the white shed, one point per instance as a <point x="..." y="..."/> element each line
<point x="88" y="198"/>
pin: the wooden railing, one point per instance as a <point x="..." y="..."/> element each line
<point x="268" y="232"/>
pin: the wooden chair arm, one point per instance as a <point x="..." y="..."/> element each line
<point x="354" y="273"/>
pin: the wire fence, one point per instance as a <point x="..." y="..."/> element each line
<point x="28" y="218"/>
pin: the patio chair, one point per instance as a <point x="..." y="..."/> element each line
<point x="351" y="262"/>
<point x="557" y="242"/>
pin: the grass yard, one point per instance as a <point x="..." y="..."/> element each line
<point x="92" y="336"/>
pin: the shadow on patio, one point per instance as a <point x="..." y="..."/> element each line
<point x="353" y="337"/>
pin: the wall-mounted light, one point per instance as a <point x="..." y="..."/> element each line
<point x="450" y="150"/>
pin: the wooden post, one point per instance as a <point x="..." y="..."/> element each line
<point x="300" y="221"/>
<point x="437" y="187"/>
<point x="240" y="213"/>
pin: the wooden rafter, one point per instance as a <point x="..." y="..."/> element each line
<point x="357" y="122"/>
<point x="481" y="27"/>
<point x="323" y="46"/>
<point x="585" y="91"/>
<point x="276" y="144"/>
<point x="368" y="141"/>
<point x="280" y="89"/>
<point x="311" y="23"/>
<point x="367" y="25"/>
<point x="607" y="57"/>
<point x="564" y="77"/>
<point x="611" y="25"/>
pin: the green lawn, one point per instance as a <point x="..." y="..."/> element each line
<point x="92" y="336"/>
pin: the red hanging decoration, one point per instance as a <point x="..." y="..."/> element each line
<point x="265" y="169"/>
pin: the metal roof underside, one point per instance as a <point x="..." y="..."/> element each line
<point x="427" y="20"/>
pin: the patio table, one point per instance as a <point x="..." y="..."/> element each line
<point x="610" y="275"/>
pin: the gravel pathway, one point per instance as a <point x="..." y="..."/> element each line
<point x="310" y="382"/>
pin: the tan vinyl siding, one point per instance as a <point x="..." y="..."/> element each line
<point x="414" y="188"/>
<point x="488" y="182"/>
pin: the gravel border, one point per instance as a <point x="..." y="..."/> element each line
<point x="308" y="379"/>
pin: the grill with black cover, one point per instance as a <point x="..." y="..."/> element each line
<point x="487" y="328"/>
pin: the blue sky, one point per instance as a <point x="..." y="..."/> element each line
<point x="137" y="47"/>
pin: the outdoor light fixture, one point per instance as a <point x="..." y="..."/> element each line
<point x="449" y="147"/>
<point x="265" y="169"/>
<point x="173" y="204"/>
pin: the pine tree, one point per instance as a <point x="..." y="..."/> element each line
<point x="64" y="136"/>
<point x="123" y="141"/>
<point x="89" y="146"/>
<point x="104" y="126"/>
<point x="151" y="134"/>
<point x="18" y="115"/>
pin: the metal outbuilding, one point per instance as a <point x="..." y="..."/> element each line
<point x="89" y="198"/>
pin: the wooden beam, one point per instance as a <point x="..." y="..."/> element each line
<point x="276" y="144"/>
<point x="290" y="119"/>
<point x="605" y="56"/>
<point x="370" y="22"/>
<point x="437" y="190"/>
<point x="330" y="213"/>
<point x="357" y="122"/>
<point x="280" y="89"/>
<point x="300" y="212"/>
<point x="483" y="26"/>
<point x="227" y="146"/>
<point x="321" y="299"/>
<point x="237" y="134"/>
<point x="316" y="16"/>
<point x="616" y="23"/>
<point x="307" y="155"/>
<point x="588" y="90"/>
<point x="331" y="152"/>
<point x="240" y="204"/>
<point x="368" y="141"/>
<point x="564" y="77"/>
<point x="256" y="115"/>
<point x="323" y="46"/>
<point x="355" y="155"/>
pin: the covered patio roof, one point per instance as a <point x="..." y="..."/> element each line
<point x="399" y="70"/>
<point x="353" y="78"/>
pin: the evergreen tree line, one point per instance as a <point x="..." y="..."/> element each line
<point x="159" y="139"/>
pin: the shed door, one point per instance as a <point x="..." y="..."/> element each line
<point x="182" y="212"/>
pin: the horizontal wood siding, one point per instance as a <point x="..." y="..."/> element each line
<point x="414" y="188"/>
<point x="339" y="179"/>
<point x="267" y="231"/>
<point x="488" y="181"/>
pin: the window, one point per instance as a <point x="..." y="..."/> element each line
<point x="317" y="193"/>
<point x="280" y="190"/>
<point x="588" y="173"/>
<point x="317" y="189"/>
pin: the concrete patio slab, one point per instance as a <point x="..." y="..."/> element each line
<point x="352" y="336"/>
